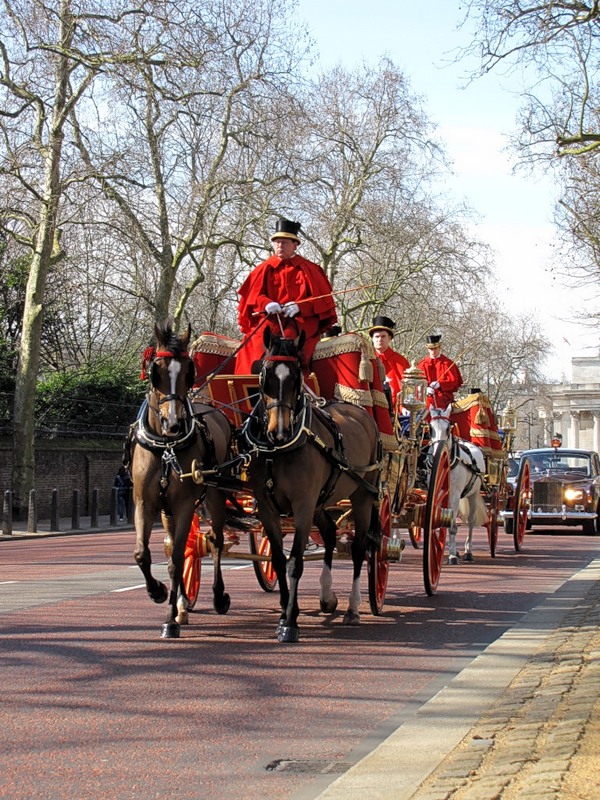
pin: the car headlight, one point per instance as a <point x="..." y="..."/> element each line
<point x="574" y="495"/>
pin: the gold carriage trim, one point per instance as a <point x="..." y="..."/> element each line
<point x="478" y="399"/>
<point x="348" y="343"/>
<point x="481" y="433"/>
<point x="358" y="397"/>
<point x="388" y="442"/>
<point x="212" y="344"/>
<point x="379" y="399"/>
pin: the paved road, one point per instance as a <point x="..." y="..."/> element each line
<point x="93" y="702"/>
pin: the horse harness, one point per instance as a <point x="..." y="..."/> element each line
<point x="303" y="434"/>
<point x="169" y="446"/>
<point x="457" y="450"/>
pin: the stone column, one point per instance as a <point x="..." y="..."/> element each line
<point x="558" y="425"/>
<point x="596" y="434"/>
<point x="574" y="429"/>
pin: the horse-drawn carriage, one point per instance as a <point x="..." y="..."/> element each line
<point x="221" y="456"/>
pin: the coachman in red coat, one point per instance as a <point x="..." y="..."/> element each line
<point x="394" y="363"/>
<point x="293" y="292"/>
<point x="443" y="375"/>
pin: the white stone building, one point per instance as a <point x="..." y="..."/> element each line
<point x="575" y="407"/>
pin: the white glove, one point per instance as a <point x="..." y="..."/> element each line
<point x="272" y="308"/>
<point x="430" y="391"/>
<point x="435" y="385"/>
<point x="291" y="309"/>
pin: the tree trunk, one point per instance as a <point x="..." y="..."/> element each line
<point x="45" y="253"/>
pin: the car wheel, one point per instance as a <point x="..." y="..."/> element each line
<point x="589" y="527"/>
<point x="508" y="525"/>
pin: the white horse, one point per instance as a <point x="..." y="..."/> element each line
<point x="467" y="468"/>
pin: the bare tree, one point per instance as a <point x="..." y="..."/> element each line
<point x="183" y="141"/>
<point x="51" y="54"/>
<point x="557" y="46"/>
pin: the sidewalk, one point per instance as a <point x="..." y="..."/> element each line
<point x="85" y="526"/>
<point x="522" y="721"/>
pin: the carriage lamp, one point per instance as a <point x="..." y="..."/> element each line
<point x="508" y="418"/>
<point x="414" y="388"/>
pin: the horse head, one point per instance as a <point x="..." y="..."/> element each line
<point x="280" y="384"/>
<point x="440" y="424"/>
<point x="172" y="374"/>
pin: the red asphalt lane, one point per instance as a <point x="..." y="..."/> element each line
<point x="93" y="703"/>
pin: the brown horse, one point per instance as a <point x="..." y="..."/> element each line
<point x="303" y="461"/>
<point x="168" y="436"/>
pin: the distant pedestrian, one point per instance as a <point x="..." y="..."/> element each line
<point x="123" y="483"/>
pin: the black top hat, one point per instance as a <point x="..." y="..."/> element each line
<point x="382" y="324"/>
<point x="286" y="229"/>
<point x="434" y="341"/>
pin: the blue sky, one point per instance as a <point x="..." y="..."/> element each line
<point x="513" y="211"/>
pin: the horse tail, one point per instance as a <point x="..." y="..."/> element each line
<point x="480" y="513"/>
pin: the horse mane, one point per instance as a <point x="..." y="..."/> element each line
<point x="283" y="347"/>
<point x="167" y="339"/>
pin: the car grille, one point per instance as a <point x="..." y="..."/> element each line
<point x="547" y="496"/>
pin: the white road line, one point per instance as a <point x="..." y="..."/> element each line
<point x="128" y="588"/>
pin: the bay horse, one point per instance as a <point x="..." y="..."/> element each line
<point x="304" y="459"/>
<point x="169" y="434"/>
<point x="467" y="468"/>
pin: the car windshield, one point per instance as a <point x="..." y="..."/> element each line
<point x="560" y="462"/>
<point x="513" y="467"/>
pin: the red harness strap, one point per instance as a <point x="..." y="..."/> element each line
<point x="150" y="353"/>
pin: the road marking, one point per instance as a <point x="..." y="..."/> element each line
<point x="2" y="583"/>
<point x="128" y="588"/>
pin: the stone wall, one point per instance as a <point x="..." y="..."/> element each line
<point x="66" y="465"/>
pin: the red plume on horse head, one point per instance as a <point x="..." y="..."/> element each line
<point x="169" y="345"/>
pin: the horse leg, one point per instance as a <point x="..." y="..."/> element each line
<point x="289" y="630"/>
<point x="452" y="550"/>
<point x="327" y="598"/>
<point x="143" y="520"/>
<point x="468" y="554"/>
<point x="454" y="502"/>
<point x="365" y="523"/>
<point x="272" y="527"/>
<point x="171" y="628"/>
<point x="216" y="503"/>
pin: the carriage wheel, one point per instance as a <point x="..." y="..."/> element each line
<point x="378" y="566"/>
<point x="438" y="517"/>
<point x="492" y="522"/>
<point x="261" y="546"/>
<point x="192" y="562"/>
<point x="522" y="495"/>
<point x="415" y="534"/>
<point x="401" y="489"/>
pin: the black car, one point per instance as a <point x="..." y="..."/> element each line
<point x="565" y="488"/>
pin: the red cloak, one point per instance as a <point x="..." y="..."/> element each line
<point x="283" y="281"/>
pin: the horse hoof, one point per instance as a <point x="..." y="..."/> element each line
<point x="328" y="606"/>
<point x="351" y="618"/>
<point x="170" y="630"/>
<point x="222" y="605"/>
<point x="160" y="594"/>
<point x="288" y="634"/>
<point x="453" y="559"/>
<point x="468" y="557"/>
